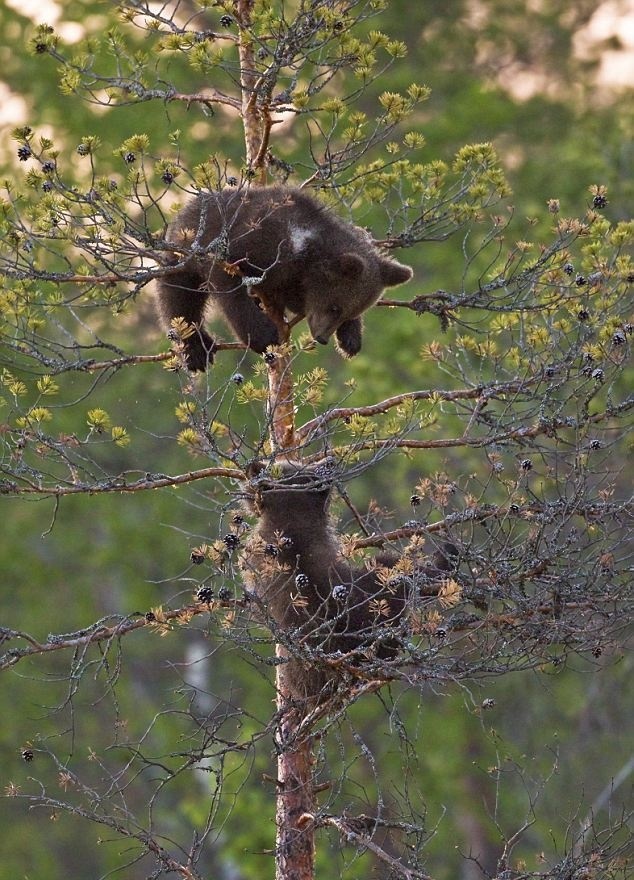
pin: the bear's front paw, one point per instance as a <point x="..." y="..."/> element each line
<point x="348" y="336"/>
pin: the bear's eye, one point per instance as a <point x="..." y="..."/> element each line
<point x="334" y="310"/>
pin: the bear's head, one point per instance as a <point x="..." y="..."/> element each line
<point x="295" y="494"/>
<point x="343" y="288"/>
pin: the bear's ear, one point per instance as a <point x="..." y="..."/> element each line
<point x="351" y="265"/>
<point x="393" y="273"/>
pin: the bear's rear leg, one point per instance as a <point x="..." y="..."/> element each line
<point x="248" y="320"/>
<point x="199" y="351"/>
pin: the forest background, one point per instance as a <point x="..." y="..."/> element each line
<point x="547" y="84"/>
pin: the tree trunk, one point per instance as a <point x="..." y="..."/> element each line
<point x="295" y="847"/>
<point x="295" y="843"/>
<point x="256" y="126"/>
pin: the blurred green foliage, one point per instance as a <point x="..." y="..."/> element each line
<point x="67" y="564"/>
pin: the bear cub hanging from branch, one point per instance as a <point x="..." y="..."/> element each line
<point x="294" y="566"/>
<point x="278" y="245"/>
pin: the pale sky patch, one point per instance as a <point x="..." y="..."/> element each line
<point x="14" y="107"/>
<point x="48" y="12"/>
<point x="39" y="11"/>
<point x="614" y="18"/>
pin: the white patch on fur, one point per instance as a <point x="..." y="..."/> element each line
<point x="299" y="236"/>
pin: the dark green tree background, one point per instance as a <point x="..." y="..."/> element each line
<point x="156" y="746"/>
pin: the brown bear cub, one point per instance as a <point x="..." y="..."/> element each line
<point x="293" y="564"/>
<point x="281" y="245"/>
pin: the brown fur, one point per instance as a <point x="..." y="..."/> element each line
<point x="307" y="262"/>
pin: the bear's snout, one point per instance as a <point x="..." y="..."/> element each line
<point x="321" y="327"/>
